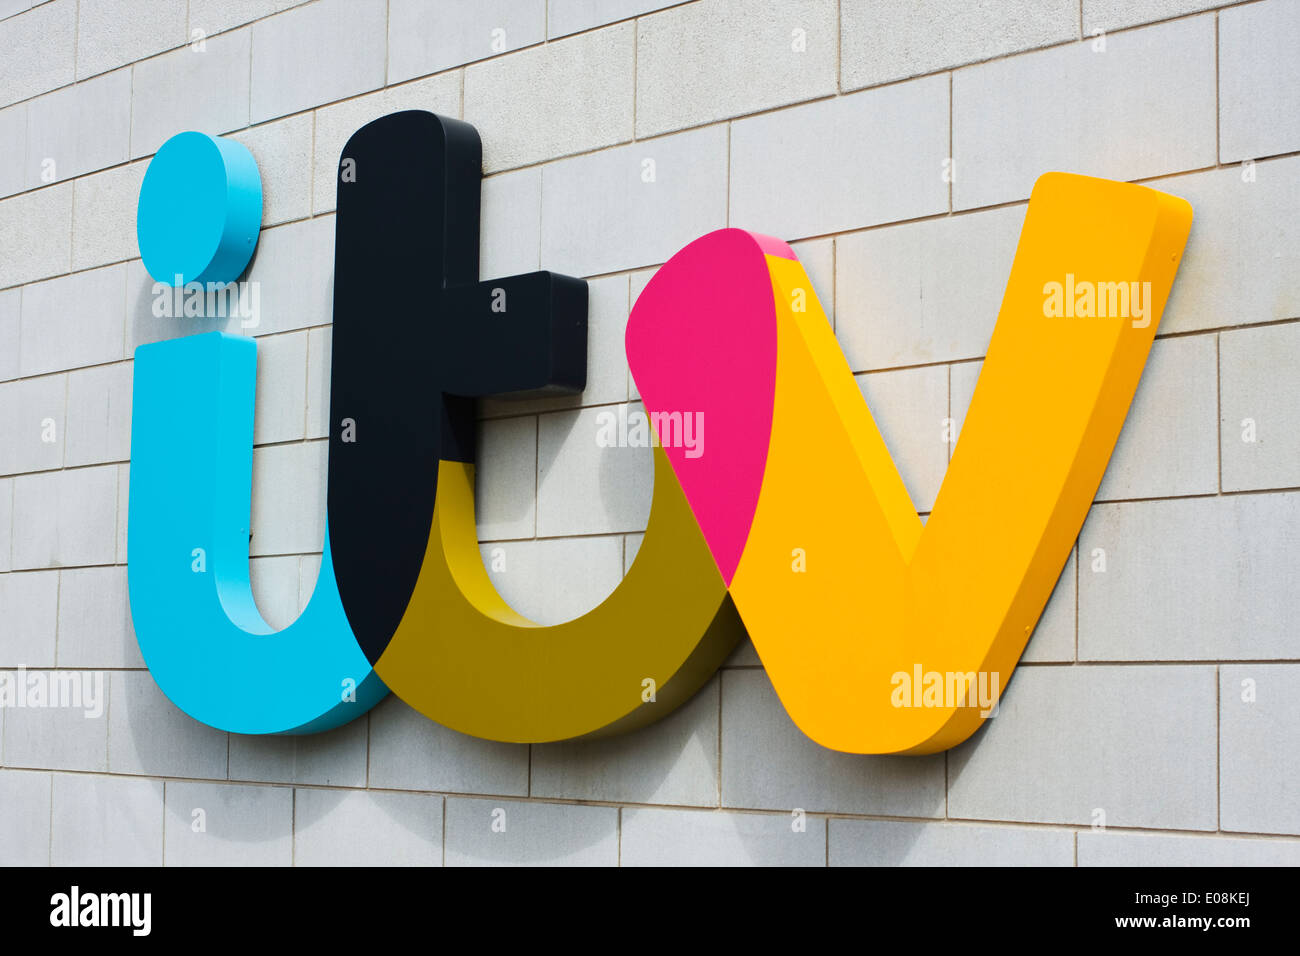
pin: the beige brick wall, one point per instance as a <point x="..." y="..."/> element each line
<point x="827" y="122"/>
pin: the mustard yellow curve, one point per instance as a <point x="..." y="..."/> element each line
<point x="462" y="657"/>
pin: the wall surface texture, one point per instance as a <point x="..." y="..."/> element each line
<point x="1155" y="717"/>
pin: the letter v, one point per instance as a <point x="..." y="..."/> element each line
<point x="882" y="594"/>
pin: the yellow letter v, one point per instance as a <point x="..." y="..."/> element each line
<point x="881" y="604"/>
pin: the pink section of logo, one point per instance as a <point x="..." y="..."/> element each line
<point x="701" y="342"/>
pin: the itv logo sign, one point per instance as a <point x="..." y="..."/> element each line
<point x="792" y="525"/>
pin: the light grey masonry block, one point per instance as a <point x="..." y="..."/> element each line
<point x="213" y="824"/>
<point x="294" y="270"/>
<point x="202" y="88"/>
<point x="410" y="752"/>
<point x="147" y="734"/>
<point x="33" y="416"/>
<point x="65" y="518"/>
<point x="104" y="208"/>
<point x="95" y="619"/>
<point x="565" y="97"/>
<point x="1261" y="396"/>
<point x="673" y="761"/>
<point x="894" y="843"/>
<point x="29" y="607"/>
<point x="112" y="33"/>
<point x="858" y="178"/>
<point x="1117" y="848"/>
<point x="719" y="59"/>
<point x="288" y="515"/>
<point x="283" y="151"/>
<point x="1242" y="263"/>
<point x="768" y="763"/>
<point x="633" y="206"/>
<point x="1124" y="746"/>
<point x="37" y="50"/>
<point x="1168" y="445"/>
<point x="336" y="758"/>
<point x="336" y="123"/>
<point x="367" y="829"/>
<point x="654" y="837"/>
<point x="320" y="349"/>
<point x="73" y="321"/>
<point x="1143" y="107"/>
<point x="910" y="407"/>
<point x="10" y="322"/>
<point x="1259" y="87"/>
<point x="25" y="824"/>
<point x="506" y="478"/>
<point x="571" y="16"/>
<point x="317" y="53"/>
<point x="896" y="39"/>
<point x="73" y="737"/>
<point x="6" y="522"/>
<point x="214" y="16"/>
<point x="923" y="292"/>
<point x="1190" y="579"/>
<point x="506" y="833"/>
<point x="123" y="506"/>
<point x="99" y="415"/>
<point x="13" y="149"/>
<point x="280" y="414"/>
<point x="510" y="228"/>
<point x="36" y="235"/>
<point x="79" y="129"/>
<point x="1259" y="755"/>
<point x="428" y="38"/>
<point x="1113" y="14"/>
<point x="555" y="579"/>
<point x="106" y="821"/>
<point x="584" y="488"/>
